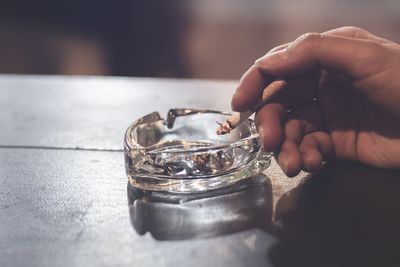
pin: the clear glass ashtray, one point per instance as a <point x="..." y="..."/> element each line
<point x="183" y="154"/>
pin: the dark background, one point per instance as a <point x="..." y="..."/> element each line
<point x="169" y="38"/>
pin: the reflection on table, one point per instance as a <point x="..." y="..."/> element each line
<point x="246" y="206"/>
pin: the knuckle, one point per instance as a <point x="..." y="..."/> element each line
<point x="351" y="29"/>
<point x="310" y="39"/>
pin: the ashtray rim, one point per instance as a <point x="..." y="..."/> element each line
<point x="155" y="116"/>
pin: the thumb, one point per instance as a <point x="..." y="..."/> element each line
<point x="353" y="57"/>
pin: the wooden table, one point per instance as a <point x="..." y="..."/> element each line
<point x="64" y="198"/>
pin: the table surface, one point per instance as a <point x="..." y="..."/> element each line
<point x="64" y="198"/>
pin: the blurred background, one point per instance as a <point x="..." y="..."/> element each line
<point x="215" y="39"/>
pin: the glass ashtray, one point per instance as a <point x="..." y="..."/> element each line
<point x="183" y="154"/>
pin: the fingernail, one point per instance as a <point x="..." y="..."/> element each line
<point x="272" y="60"/>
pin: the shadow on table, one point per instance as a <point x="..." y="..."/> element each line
<point x="348" y="215"/>
<point x="247" y="206"/>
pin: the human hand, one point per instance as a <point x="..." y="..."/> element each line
<point x="354" y="77"/>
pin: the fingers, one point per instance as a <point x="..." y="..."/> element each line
<point x="289" y="158"/>
<point x="251" y="86"/>
<point x="307" y="152"/>
<point x="309" y="155"/>
<point x="315" y="148"/>
<point x="308" y="52"/>
<point x="250" y="89"/>
<point x="346" y="49"/>
<point x="350" y="51"/>
<point x="269" y="123"/>
<point x="300" y="125"/>
<point x="290" y="92"/>
<point x="295" y="137"/>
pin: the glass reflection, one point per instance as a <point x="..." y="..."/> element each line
<point x="176" y="217"/>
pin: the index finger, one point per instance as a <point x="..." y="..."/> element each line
<point x="250" y="89"/>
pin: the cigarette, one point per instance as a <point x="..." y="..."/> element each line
<point x="238" y="117"/>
